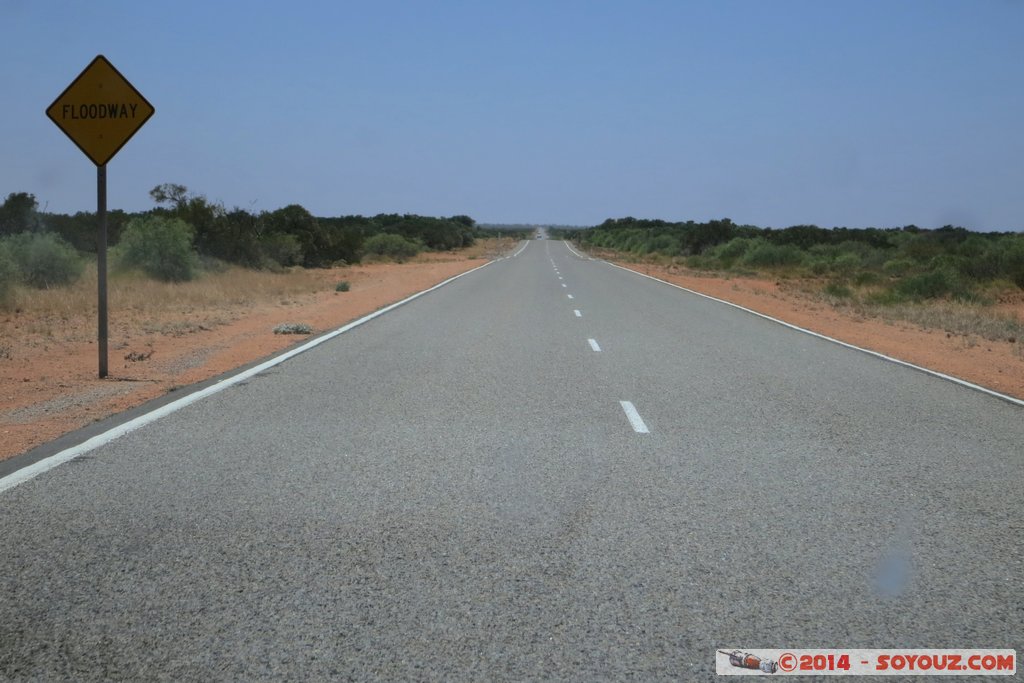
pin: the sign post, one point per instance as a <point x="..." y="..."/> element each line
<point x="100" y="111"/>
<point x="101" y="266"/>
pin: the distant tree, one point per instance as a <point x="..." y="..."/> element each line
<point x="19" y="214"/>
<point x="345" y="235"/>
<point x="80" y="229"/>
<point x="295" y="220"/>
<point x="212" y="235"/>
<point x="172" y="194"/>
<point x="236" y="238"/>
<point x="803" y="236"/>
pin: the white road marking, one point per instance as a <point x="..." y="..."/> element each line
<point x="897" y="361"/>
<point x="570" y="296"/>
<point x="37" y="468"/>
<point x="559" y="277"/>
<point x="593" y="345"/>
<point x="634" y="418"/>
<point x="578" y="314"/>
<point x="521" y="250"/>
<point x="573" y="250"/>
<point x="564" y="285"/>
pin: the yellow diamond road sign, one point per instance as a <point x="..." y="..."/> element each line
<point x="100" y="111"/>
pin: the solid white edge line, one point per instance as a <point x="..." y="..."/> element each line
<point x="578" y="314"/>
<point x="521" y="249"/>
<point x="634" y="418"/>
<point x="566" y="243"/>
<point x="876" y="354"/>
<point x="37" y="468"/>
<point x="593" y="345"/>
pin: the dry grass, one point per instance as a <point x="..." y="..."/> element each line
<point x="69" y="313"/>
<point x="968" y="320"/>
<point x="213" y="299"/>
<point x="131" y="292"/>
<point x="486" y="248"/>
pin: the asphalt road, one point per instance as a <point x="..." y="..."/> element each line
<point x="455" y="491"/>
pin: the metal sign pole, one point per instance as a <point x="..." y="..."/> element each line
<point x="101" y="263"/>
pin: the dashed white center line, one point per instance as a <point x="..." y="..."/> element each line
<point x="634" y="418"/>
<point x="564" y="285"/>
<point x="569" y="295"/>
<point x="578" y="314"/>
<point x="593" y="345"/>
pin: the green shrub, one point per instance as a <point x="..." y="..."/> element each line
<point x="885" y="297"/>
<point x="701" y="262"/>
<point x="819" y="266"/>
<point x="846" y="263"/>
<point x="933" y="284"/>
<point x="767" y="255"/>
<point x="391" y="246"/>
<point x="159" y="247"/>
<point x="825" y="251"/>
<point x="865" y="277"/>
<point x="897" y="267"/>
<point x="838" y="290"/>
<point x="734" y="249"/>
<point x="44" y="259"/>
<point x="8" y="276"/>
<point x="666" y="244"/>
<point x="1011" y="263"/>
<point x="341" y="286"/>
<point x="281" y="249"/>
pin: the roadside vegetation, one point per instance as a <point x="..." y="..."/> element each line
<point x="944" y="278"/>
<point x="186" y="237"/>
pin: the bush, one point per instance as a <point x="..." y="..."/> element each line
<point x="846" y="263"/>
<point x="293" y="328"/>
<point x="44" y="260"/>
<point x="866" y="277"/>
<point x="933" y="285"/>
<point x="341" y="286"/>
<point x="733" y="249"/>
<point x="665" y="244"/>
<point x="838" y="290"/>
<point x="819" y="266"/>
<point x="160" y="247"/>
<point x="1012" y="261"/>
<point x="8" y="276"/>
<point x="701" y="262"/>
<point x="897" y="267"/>
<point x="281" y="249"/>
<point x="391" y="246"/>
<point x="766" y="255"/>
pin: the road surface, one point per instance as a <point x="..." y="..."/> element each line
<point x="550" y="468"/>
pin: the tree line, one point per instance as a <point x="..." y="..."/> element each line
<point x="284" y="237"/>
<point x="185" y="231"/>
<point x="910" y="262"/>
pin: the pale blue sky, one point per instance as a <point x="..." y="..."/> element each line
<point x="834" y="112"/>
